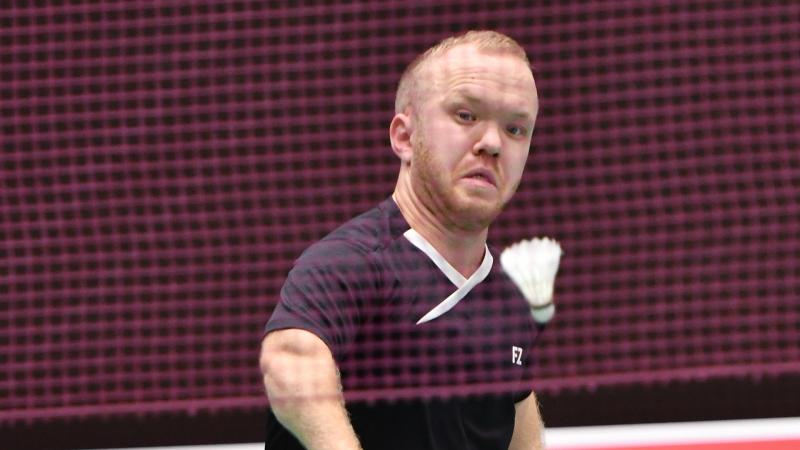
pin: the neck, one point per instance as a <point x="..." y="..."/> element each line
<point x="463" y="249"/>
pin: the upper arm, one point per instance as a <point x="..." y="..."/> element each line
<point x="292" y="342"/>
<point x="297" y="365"/>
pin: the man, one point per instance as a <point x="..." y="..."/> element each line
<point x="403" y="306"/>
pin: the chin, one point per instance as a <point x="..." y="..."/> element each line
<point x="477" y="213"/>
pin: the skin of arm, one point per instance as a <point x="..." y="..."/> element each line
<point x="304" y="389"/>
<point x="528" y="426"/>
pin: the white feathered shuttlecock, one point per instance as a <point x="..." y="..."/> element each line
<point x="532" y="264"/>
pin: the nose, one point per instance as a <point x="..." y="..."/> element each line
<point x="490" y="141"/>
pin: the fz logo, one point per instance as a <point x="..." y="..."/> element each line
<point x="516" y="355"/>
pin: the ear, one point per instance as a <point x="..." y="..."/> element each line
<point x="400" y="131"/>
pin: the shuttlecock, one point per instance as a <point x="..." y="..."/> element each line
<point x="532" y="264"/>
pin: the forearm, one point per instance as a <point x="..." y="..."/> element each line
<point x="528" y="426"/>
<point x="303" y="386"/>
<point x="319" y="424"/>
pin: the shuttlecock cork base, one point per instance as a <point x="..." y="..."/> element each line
<point x="532" y="264"/>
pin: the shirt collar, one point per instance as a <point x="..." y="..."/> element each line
<point x="463" y="285"/>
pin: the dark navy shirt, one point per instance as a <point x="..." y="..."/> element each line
<point x="450" y="383"/>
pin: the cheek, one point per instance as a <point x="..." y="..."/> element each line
<point x="445" y="147"/>
<point x="515" y="165"/>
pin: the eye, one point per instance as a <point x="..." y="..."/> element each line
<point x="465" y="116"/>
<point x="516" y="131"/>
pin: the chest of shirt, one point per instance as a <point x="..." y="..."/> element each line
<point x="485" y="338"/>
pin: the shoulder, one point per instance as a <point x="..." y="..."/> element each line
<point x="351" y="245"/>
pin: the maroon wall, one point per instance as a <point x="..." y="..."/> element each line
<point x="163" y="163"/>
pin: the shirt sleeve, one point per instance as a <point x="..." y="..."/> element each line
<point x="529" y="364"/>
<point x="324" y="294"/>
<point x="534" y="332"/>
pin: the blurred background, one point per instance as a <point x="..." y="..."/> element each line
<point x="164" y="162"/>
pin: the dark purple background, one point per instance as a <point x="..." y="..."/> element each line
<point x="163" y="163"/>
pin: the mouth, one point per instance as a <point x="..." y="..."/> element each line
<point x="482" y="176"/>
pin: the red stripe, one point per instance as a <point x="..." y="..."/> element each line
<point x="793" y="444"/>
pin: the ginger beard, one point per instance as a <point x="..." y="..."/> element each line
<point x="458" y="207"/>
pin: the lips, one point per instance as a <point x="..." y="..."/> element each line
<point x="482" y="174"/>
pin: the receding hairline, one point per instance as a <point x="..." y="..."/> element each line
<point x="483" y="40"/>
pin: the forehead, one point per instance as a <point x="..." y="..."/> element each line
<point x="468" y="71"/>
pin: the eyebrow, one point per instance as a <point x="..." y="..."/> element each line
<point x="471" y="98"/>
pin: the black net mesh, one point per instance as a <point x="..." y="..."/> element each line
<point x="164" y="163"/>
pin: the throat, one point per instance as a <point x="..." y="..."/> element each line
<point x="463" y="246"/>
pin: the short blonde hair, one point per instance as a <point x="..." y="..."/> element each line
<point x="486" y="40"/>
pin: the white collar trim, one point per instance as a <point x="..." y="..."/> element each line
<point x="463" y="285"/>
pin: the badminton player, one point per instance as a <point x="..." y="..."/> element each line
<point x="398" y="330"/>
